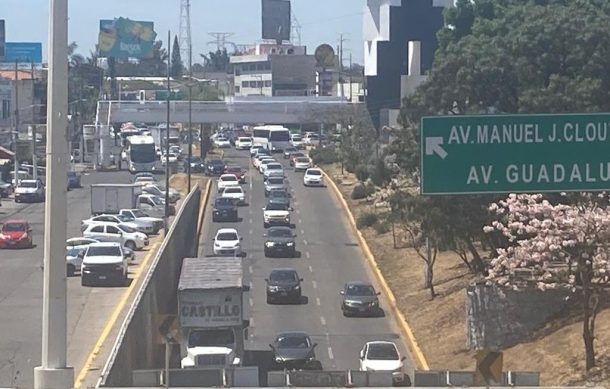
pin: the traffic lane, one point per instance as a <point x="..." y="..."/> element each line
<point x="21" y="290"/>
<point x="336" y="258"/>
<point x="266" y="320"/>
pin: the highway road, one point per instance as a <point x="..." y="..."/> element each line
<point x="21" y="291"/>
<point x="330" y="256"/>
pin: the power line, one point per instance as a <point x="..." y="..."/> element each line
<point x="221" y="40"/>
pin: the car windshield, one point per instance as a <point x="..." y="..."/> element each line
<point x="283" y="275"/>
<point x="278" y="194"/>
<point x="302" y="159"/>
<point x="290" y="149"/>
<point x="360" y="290"/>
<point x="25" y="184"/>
<point x="297" y="155"/>
<point x="276" y="207"/>
<point x="297" y="138"/>
<point x="234" y="169"/>
<point x="274" y="166"/>
<point x="244" y="140"/>
<point x="73" y="251"/>
<point x="223" y="201"/>
<point x="233" y="190"/>
<point x="228" y="178"/>
<point x="382" y="351"/>
<point x="124" y="218"/>
<point x="226" y="236"/>
<point x="139" y="213"/>
<point x="216" y="162"/>
<point x="13" y="227"/>
<point x="293" y="341"/>
<point x="280" y="233"/>
<point x="314" y="173"/>
<point x="104" y="251"/>
<point x="275" y="181"/>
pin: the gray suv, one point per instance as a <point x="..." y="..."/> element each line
<point x="275" y="183"/>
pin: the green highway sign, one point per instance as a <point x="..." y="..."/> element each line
<point x="515" y="153"/>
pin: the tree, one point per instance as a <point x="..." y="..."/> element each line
<point x="177" y="68"/>
<point x="558" y="246"/>
<point x="217" y="61"/>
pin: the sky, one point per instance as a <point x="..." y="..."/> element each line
<point x="322" y="21"/>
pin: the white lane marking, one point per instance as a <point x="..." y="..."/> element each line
<point x="330" y="353"/>
<point x="310" y="269"/>
<point x="250" y="269"/>
<point x="305" y="242"/>
<point x="251" y="302"/>
<point x="307" y="254"/>
<point x="250" y="211"/>
<point x="315" y="284"/>
<point x="251" y="231"/>
<point x="250" y="284"/>
<point x="300" y="222"/>
<point x="322" y="320"/>
<point x="318" y="303"/>
<point x="298" y="212"/>
<point x="251" y="221"/>
<point x="251" y="322"/>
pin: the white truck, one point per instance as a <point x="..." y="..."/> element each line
<point x="210" y="307"/>
<point x="112" y="198"/>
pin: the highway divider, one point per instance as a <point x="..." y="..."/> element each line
<point x="403" y="324"/>
<point x="139" y="344"/>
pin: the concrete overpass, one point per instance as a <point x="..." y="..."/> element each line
<point x="249" y="110"/>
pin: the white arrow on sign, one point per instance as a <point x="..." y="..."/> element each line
<point x="433" y="146"/>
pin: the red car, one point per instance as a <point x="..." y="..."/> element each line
<point x="16" y="234"/>
<point x="239" y="173"/>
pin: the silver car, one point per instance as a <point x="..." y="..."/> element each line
<point x="274" y="183"/>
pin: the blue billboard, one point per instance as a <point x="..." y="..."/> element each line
<point x="23" y="52"/>
<point x="124" y="38"/>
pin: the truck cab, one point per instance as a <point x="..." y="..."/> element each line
<point x="211" y="348"/>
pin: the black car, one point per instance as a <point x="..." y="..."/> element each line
<point x="280" y="242"/>
<point x="360" y="298"/>
<point x="279" y="196"/>
<point x="197" y="165"/>
<point x="294" y="350"/>
<point x="214" y="167"/>
<point x="225" y="210"/>
<point x="5" y="189"/>
<point x="283" y="285"/>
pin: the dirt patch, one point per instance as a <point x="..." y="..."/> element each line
<point x="179" y="181"/>
<point x="439" y="324"/>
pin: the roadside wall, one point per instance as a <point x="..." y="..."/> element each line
<point x="497" y="319"/>
<point x="139" y="344"/>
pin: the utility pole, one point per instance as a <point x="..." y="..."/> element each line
<point x="54" y="372"/>
<point x="341" y="40"/>
<point x="167" y="170"/>
<point x="190" y="134"/>
<point x="351" y="92"/>
<point x="16" y="133"/>
<point x="34" y="159"/>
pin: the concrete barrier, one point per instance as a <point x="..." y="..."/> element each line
<point x="138" y="345"/>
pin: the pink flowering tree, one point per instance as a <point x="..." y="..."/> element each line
<point x="555" y="246"/>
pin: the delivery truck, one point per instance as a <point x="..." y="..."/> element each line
<point x="111" y="198"/>
<point x="210" y="307"/>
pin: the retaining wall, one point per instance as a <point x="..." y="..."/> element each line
<point x="139" y="344"/>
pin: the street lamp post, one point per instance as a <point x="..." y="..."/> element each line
<point x="190" y="134"/>
<point x="54" y="372"/>
<point x="167" y="171"/>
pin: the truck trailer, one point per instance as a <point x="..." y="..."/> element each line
<point x="210" y="307"/>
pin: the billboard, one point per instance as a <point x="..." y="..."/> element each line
<point x="124" y="38"/>
<point x="276" y="20"/>
<point x="23" y="52"/>
<point x="2" y="40"/>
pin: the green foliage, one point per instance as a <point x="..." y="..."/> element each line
<point x="177" y="67"/>
<point x="380" y="174"/>
<point x="362" y="173"/>
<point x="217" y="61"/>
<point x="381" y="227"/>
<point x="359" y="192"/>
<point x="366" y="219"/>
<point x="325" y="155"/>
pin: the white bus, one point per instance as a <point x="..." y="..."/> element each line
<point x="141" y="153"/>
<point x="275" y="138"/>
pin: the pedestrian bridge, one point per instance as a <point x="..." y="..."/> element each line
<point x="281" y="110"/>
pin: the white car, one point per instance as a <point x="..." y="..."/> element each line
<point x="301" y="164"/>
<point x="276" y="214"/>
<point x="173" y="158"/>
<point x="222" y="143"/>
<point x="138" y="214"/>
<point x="139" y="225"/>
<point x="29" y="190"/>
<point x="382" y="356"/>
<point x="296" y="140"/>
<point x="144" y="180"/>
<point x="227" y="242"/>
<point x="256" y="162"/>
<point x="263" y="164"/>
<point x="243" y="143"/>
<point x="313" y="177"/>
<point x="273" y="170"/>
<point x="74" y="259"/>
<point x="254" y="149"/>
<point x="227" y="180"/>
<point x="119" y="233"/>
<point x="104" y="262"/>
<point x="311" y="139"/>
<point x="235" y="192"/>
<point x="155" y="189"/>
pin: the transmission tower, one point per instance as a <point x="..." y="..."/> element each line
<point x="221" y="40"/>
<point x="296" y="31"/>
<point x="186" y="44"/>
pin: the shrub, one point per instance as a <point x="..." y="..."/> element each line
<point x="381" y="227"/>
<point x="324" y="155"/>
<point x="380" y="175"/>
<point x="359" y="192"/>
<point x="362" y="173"/>
<point x="367" y="219"/>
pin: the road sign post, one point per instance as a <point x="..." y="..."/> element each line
<point x="515" y="153"/>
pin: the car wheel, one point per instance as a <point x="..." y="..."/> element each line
<point x="266" y="253"/>
<point x="266" y="225"/>
<point x="84" y="281"/>
<point x="17" y="200"/>
<point x="214" y="220"/>
<point x="71" y="270"/>
<point x="125" y="281"/>
<point x="130" y="245"/>
<point x="269" y="300"/>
